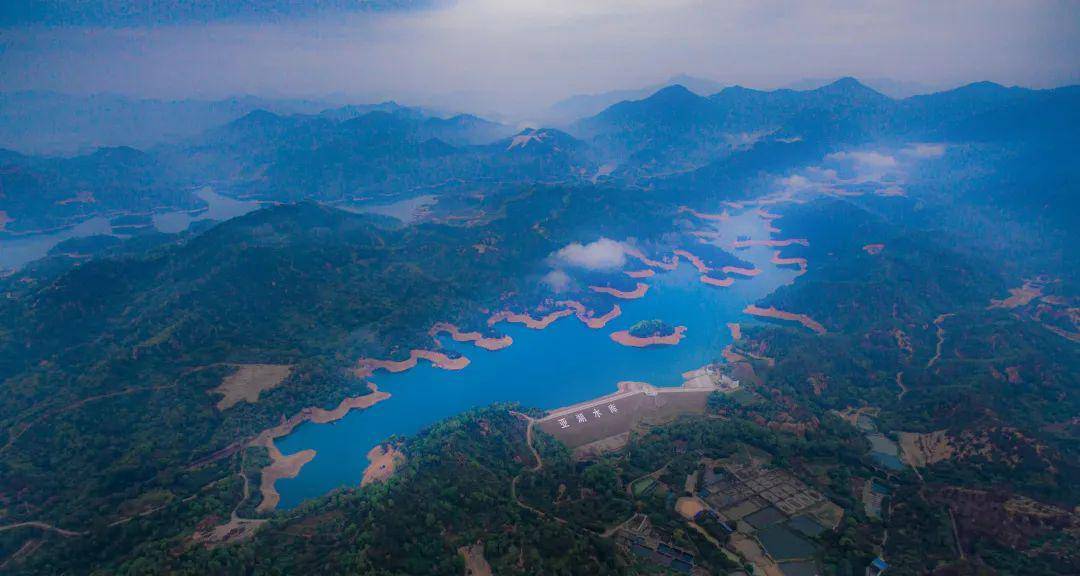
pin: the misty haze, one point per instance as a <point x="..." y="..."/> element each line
<point x="477" y="288"/>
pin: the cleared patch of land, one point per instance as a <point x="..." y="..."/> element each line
<point x="383" y="461"/>
<point x="924" y="449"/>
<point x="248" y="382"/>
<point x="1018" y="297"/>
<point x="689" y="506"/>
<point x="475" y="563"/>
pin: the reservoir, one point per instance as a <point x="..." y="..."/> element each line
<point x="561" y="365"/>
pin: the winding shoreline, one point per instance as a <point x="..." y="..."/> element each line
<point x="586" y="316"/>
<point x="527" y="319"/>
<point x="705" y="279"/>
<point x="703" y="269"/>
<point x="748" y="272"/>
<point x="779" y="260"/>
<point x="704" y="215"/>
<point x="367" y="366"/>
<point x="770" y="243"/>
<point x="638" y="292"/>
<point x="476" y="338"/>
<point x="282" y="466"/>
<point x="698" y="263"/>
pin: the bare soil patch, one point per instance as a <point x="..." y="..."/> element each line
<point x="384" y="460"/>
<point x="248" y="382"/>
<point x="924" y="449"/>
<point x="475" y="563"/>
<point x="689" y="506"/>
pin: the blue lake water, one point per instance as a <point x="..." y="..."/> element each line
<point x="561" y="365"/>
<point x="407" y="210"/>
<point x="218" y="208"/>
<point x="17" y="251"/>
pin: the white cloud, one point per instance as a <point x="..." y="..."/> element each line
<point x="869" y="160"/>
<point x="925" y="150"/>
<point x="603" y="254"/>
<point x="557" y="280"/>
<point x="794" y="183"/>
<point x="819" y="174"/>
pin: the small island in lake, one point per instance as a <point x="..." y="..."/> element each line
<point x="649" y="333"/>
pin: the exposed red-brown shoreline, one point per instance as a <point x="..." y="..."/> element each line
<point x="475" y="337"/>
<point x="698" y="263"/>
<point x="638" y="292"/>
<point x="716" y="281"/>
<point x="703" y="215"/>
<point x="587" y="316"/>
<point x="736" y="330"/>
<point x="782" y="261"/>
<point x="528" y="320"/>
<point x="646" y="273"/>
<point x="625" y="338"/>
<point x="574" y="307"/>
<point x="873" y="248"/>
<point x="749" y="272"/>
<point x="366" y="366"/>
<point x="703" y="268"/>
<point x="770" y="243"/>
<point x="661" y="264"/>
<point x="282" y="466"/>
<point x="781" y="315"/>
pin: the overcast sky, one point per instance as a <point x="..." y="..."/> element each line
<point x="518" y="55"/>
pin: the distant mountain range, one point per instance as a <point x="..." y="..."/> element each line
<point x="676" y="130"/>
<point x="673" y="138"/>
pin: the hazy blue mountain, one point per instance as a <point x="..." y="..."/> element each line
<point x="583" y="105"/>
<point x="350" y="111"/>
<point x="45" y="192"/>
<point x="464" y="129"/>
<point x="675" y="130"/>
<point x="48" y="122"/>
<point x="888" y="86"/>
